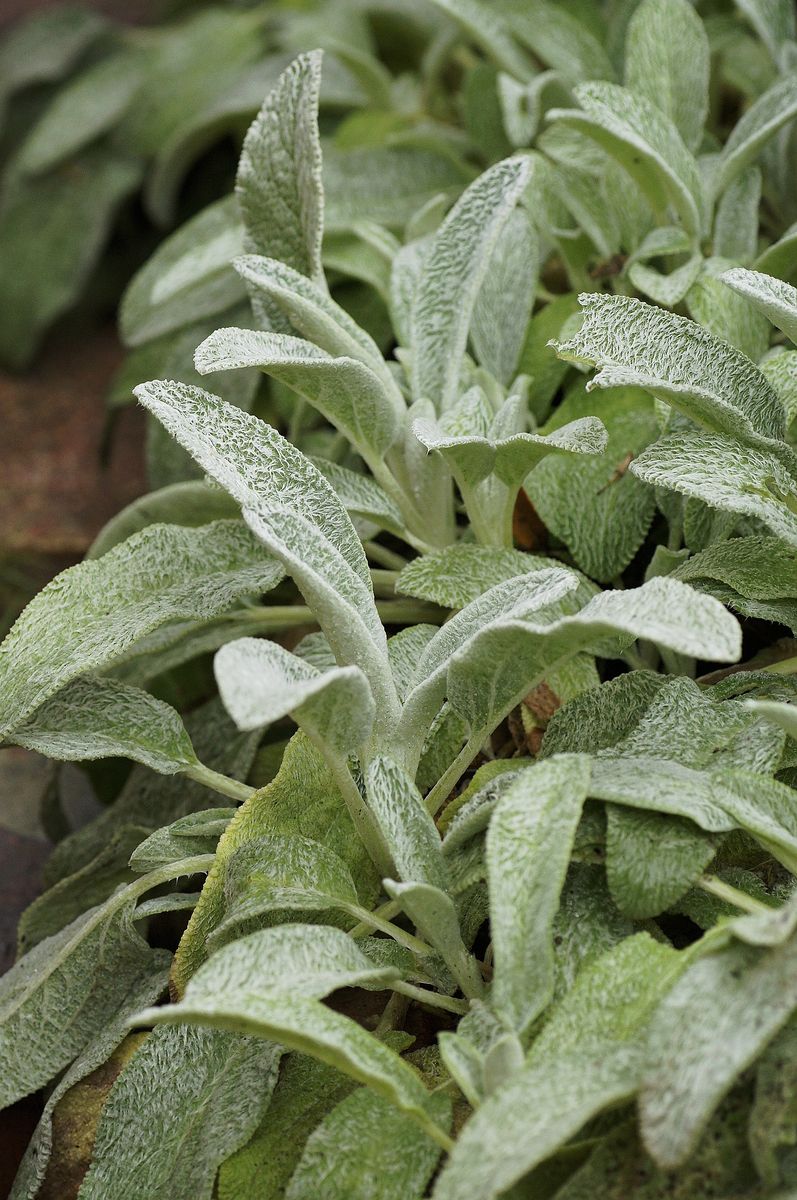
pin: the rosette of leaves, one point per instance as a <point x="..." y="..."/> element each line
<point x="418" y="966"/>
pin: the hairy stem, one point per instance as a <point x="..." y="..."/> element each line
<point x="433" y="999"/>
<point x="731" y="895"/>
<point x="220" y="783"/>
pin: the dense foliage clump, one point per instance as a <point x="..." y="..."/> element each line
<point x="513" y="911"/>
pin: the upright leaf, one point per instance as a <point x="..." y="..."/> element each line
<point x="260" y="682"/>
<point x="763" y="119"/>
<point x="645" y="143"/>
<point x="452" y="274"/>
<point x="529" y="844"/>
<point x="279" y="184"/>
<point x="409" y="831"/>
<point x="667" y="61"/>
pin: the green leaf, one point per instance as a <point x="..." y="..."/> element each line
<point x="190" y="276"/>
<point x="759" y="123"/>
<point x="452" y="275"/>
<point x="725" y="475"/>
<point x="206" y="1092"/>
<point x="364" y="1149"/>
<point x="407" y="827"/>
<point x="697" y="1050"/>
<point x="588" y="1058"/>
<point x="721" y="1165"/>
<point x="191" y="503"/>
<point x="772" y="1121"/>
<point x="529" y="844"/>
<point x="85" y="109"/>
<point x="291" y="507"/>
<point x="103" y="718"/>
<point x="307" y="961"/>
<point x="667" y="61"/>
<point x="386" y="185"/>
<point x="46" y="1146"/>
<point x="348" y="393"/>
<point x="726" y="314"/>
<point x="503" y="306"/>
<point x="302" y="799"/>
<point x="278" y="871"/>
<point x="652" y="859"/>
<point x="782" y="715"/>
<point x="602" y="717"/>
<point x="279" y="184"/>
<point x="91" y="615"/>
<point x="85" y="973"/>
<point x="457" y="575"/>
<point x="492" y="672"/>
<point x="145" y="803"/>
<point x="558" y="37"/>
<point x="774" y="298"/>
<point x="43" y="48"/>
<point x="538" y="360"/>
<point x="433" y="912"/>
<point x="525" y="594"/>
<point x="736" y="222"/>
<point x="773" y="21"/>
<point x="309" y="309"/>
<point x="594" y="505"/>
<point x="679" y="362"/>
<point x="307" y="1025"/>
<point x="197" y="833"/>
<point x="756" y="576"/>
<point x="52" y="231"/>
<point x="307" y="1090"/>
<point x="260" y="682"/>
<point x="645" y="143"/>
<point x="361" y="496"/>
<point x="486" y="26"/>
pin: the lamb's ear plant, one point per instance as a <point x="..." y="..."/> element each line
<point x="497" y="893"/>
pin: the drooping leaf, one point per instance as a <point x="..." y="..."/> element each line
<point x="291" y="507"/>
<point x="191" y="503"/>
<point x="103" y="718"/>
<point x="774" y="298"/>
<point x="452" y="274"/>
<point x="304" y="1024"/>
<point x="260" y="682"/>
<point x="206" y="1091"/>
<point x="492" y="672"/>
<point x="43" y="48"/>
<point x="678" y="361"/>
<point x="455" y="576"/>
<point x="197" y="833"/>
<point x="529" y="843"/>
<point x="726" y="475"/>
<point x="93" y="614"/>
<point x="344" y="390"/>
<point x="486" y="26"/>
<point x="558" y="37"/>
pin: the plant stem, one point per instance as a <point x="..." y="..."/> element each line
<point x="388" y="910"/>
<point x="731" y="895"/>
<point x="384" y="556"/>
<point x="384" y="583"/>
<point x="220" y="783"/>
<point x="786" y="666"/>
<point x="362" y="818"/>
<point x="452" y="776"/>
<point x="395" y="931"/>
<point x="275" y="618"/>
<point x="433" y="999"/>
